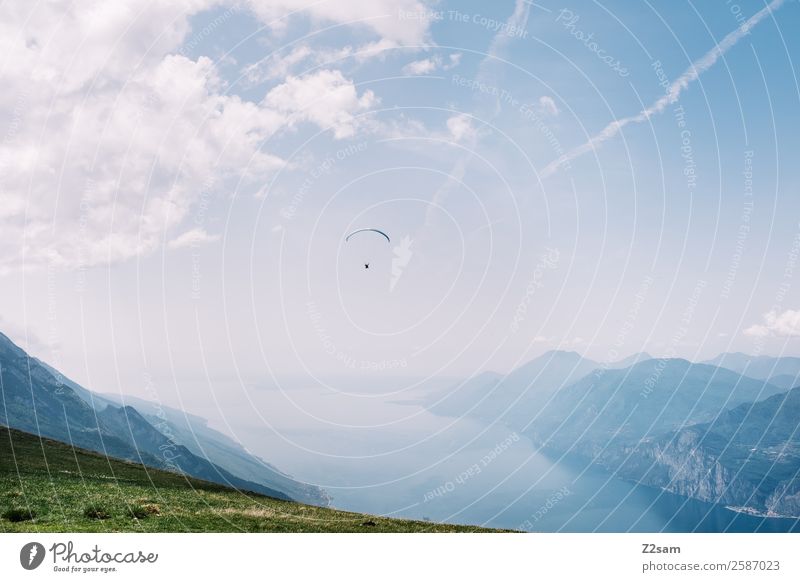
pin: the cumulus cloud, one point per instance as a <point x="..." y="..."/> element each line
<point x="111" y="136"/>
<point x="432" y="64"/>
<point x="786" y="324"/>
<point x="405" y="22"/>
<point x="397" y="23"/>
<point x="325" y="98"/>
<point x="193" y="238"/>
<point x="422" y="67"/>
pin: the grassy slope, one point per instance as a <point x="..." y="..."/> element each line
<point x="58" y="483"/>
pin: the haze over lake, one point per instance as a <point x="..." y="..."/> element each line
<point x="387" y="455"/>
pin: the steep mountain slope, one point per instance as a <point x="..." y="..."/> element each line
<point x="144" y="437"/>
<point x="48" y="486"/>
<point x="747" y="457"/>
<point x="37" y="399"/>
<point x="613" y="408"/>
<point x="515" y="398"/>
<point x="784" y="381"/>
<point x="194" y="433"/>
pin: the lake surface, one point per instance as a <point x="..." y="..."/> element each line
<point x="405" y="462"/>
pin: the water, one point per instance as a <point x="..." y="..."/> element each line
<point x="406" y="462"/>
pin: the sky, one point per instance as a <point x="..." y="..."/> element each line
<point x="177" y="181"/>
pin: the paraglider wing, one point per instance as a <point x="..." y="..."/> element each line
<point x="380" y="232"/>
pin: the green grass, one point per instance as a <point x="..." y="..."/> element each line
<point x="48" y="486"/>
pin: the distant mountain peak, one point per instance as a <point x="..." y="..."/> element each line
<point x="631" y="360"/>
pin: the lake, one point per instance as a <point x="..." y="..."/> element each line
<point x="406" y="462"/>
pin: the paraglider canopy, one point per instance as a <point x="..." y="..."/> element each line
<point x="375" y="230"/>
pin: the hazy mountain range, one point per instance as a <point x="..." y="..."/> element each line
<point x="748" y="457"/>
<point x="38" y="399"/>
<point x="723" y="431"/>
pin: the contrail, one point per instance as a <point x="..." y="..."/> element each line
<point x="689" y="75"/>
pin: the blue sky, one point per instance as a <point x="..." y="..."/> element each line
<point x="178" y="181"/>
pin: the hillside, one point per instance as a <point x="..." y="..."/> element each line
<point x="75" y="490"/>
<point x="603" y="412"/>
<point x="38" y="399"/>
<point x="698" y="430"/>
<point x="748" y="456"/>
<point x="759" y="367"/>
<point x="194" y="433"/>
<point x="514" y="398"/>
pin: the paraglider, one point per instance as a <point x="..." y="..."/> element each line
<point x="374" y="231"/>
<point x="380" y="232"/>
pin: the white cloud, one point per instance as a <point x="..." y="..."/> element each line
<point x="401" y="21"/>
<point x="673" y="92"/>
<point x="325" y="98"/>
<point x="110" y="138"/>
<point x="548" y="106"/>
<point x="107" y="171"/>
<point x="786" y="324"/>
<point x="193" y="238"/>
<point x="422" y="67"/>
<point x="461" y="128"/>
<point x="432" y="64"/>
<point x="280" y="64"/>
<point x="277" y="65"/>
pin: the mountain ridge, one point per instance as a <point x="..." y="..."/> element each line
<point x="39" y="399"/>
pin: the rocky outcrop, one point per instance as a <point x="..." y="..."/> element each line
<point x="748" y="458"/>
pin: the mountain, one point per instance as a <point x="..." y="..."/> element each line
<point x="38" y="399"/>
<point x="49" y="486"/>
<point x="513" y="398"/>
<point x="748" y="457"/>
<point x="610" y="409"/>
<point x="195" y="434"/>
<point x="785" y="381"/>
<point x="663" y="422"/>
<point x="34" y="400"/>
<point x="760" y="367"/>
<point x="629" y="361"/>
